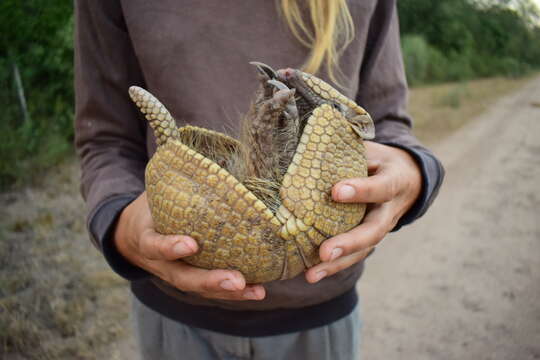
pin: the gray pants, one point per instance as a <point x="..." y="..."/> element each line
<point x="165" y="339"/>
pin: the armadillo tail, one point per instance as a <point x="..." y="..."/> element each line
<point x="157" y="115"/>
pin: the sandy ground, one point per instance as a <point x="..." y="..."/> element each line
<point x="464" y="281"/>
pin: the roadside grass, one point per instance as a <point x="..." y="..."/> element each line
<point x="439" y="110"/>
<point x="59" y="300"/>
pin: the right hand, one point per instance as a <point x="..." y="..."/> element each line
<point x="136" y="239"/>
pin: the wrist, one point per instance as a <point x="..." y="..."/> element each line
<point x="412" y="179"/>
<point x="121" y="235"/>
<point x="102" y="225"/>
<point x="432" y="175"/>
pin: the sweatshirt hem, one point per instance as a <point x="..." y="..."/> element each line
<point x="251" y="323"/>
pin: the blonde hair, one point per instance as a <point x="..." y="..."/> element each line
<point x="329" y="33"/>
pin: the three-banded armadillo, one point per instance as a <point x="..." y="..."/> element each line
<point x="261" y="204"/>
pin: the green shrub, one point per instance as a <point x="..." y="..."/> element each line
<point x="438" y="66"/>
<point x="459" y="67"/>
<point x="456" y="40"/>
<point x="416" y="54"/>
<point x="426" y="64"/>
<point x="36" y="38"/>
<point x="511" y="67"/>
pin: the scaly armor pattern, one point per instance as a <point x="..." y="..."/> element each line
<point x="192" y="192"/>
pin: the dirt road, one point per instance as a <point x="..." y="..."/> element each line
<point x="464" y="281"/>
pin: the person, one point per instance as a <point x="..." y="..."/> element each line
<point x="194" y="56"/>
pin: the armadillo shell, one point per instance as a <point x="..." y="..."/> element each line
<point x="190" y="194"/>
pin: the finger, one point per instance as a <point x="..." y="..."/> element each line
<point x="217" y="284"/>
<point x="155" y="246"/>
<point x="378" y="188"/>
<point x="214" y="284"/>
<point x="323" y="270"/>
<point x="191" y="278"/>
<point x="251" y="292"/>
<point x="377" y="223"/>
<point x="254" y="292"/>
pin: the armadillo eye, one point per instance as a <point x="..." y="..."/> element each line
<point x="344" y="108"/>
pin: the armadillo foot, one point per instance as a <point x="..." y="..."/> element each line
<point x="285" y="96"/>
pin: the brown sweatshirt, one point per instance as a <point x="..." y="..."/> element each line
<point x="193" y="55"/>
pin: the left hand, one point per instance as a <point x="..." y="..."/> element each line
<point x="391" y="189"/>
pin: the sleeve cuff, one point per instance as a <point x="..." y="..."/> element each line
<point x="432" y="176"/>
<point x="101" y="225"/>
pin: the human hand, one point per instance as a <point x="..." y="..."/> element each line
<point x="393" y="186"/>
<point x="136" y="239"/>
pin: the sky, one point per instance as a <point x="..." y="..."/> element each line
<point x="537" y="2"/>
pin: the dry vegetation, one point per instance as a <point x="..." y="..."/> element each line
<point x="441" y="109"/>
<point x="58" y="300"/>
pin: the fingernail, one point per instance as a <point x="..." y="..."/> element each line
<point x="320" y="275"/>
<point x="346" y="192"/>
<point x="227" y="285"/>
<point x="250" y="294"/>
<point x="181" y="249"/>
<point x="336" y="252"/>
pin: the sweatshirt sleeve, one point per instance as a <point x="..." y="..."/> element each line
<point x="383" y="93"/>
<point x="110" y="137"/>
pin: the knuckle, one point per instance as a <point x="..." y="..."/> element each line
<point x="144" y="246"/>
<point x="152" y="248"/>
<point x="329" y="244"/>
<point x="389" y="221"/>
<point x="178" y="282"/>
<point x="352" y="241"/>
<point x="367" y="189"/>
<point x="374" y="235"/>
<point x="207" y="285"/>
<point x="335" y="268"/>
<point x="237" y="296"/>
<point x="155" y="246"/>
<point x="393" y="222"/>
<point x="394" y="188"/>
<point x="351" y="245"/>
<point x="390" y="191"/>
<point x="162" y="247"/>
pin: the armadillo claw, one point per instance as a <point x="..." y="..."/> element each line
<point x="264" y="70"/>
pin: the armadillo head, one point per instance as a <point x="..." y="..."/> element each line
<point x="312" y="92"/>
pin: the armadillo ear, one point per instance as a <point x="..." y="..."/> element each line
<point x="329" y="151"/>
<point x="363" y="126"/>
<point x="157" y="115"/>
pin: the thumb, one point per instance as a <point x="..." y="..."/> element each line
<point x="155" y="246"/>
<point x="378" y="188"/>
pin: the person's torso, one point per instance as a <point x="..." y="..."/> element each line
<point x="194" y="56"/>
